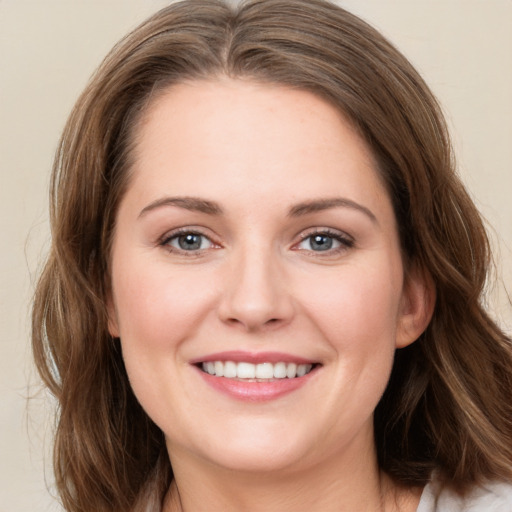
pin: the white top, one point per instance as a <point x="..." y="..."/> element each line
<point x="495" y="497"/>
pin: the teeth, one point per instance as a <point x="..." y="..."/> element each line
<point x="209" y="367"/>
<point x="280" y="370"/>
<point x="265" y="371"/>
<point x="301" y="370"/>
<point x="291" y="370"/>
<point x="230" y="369"/>
<point x="262" y="371"/>
<point x="245" y="371"/>
<point x="219" y="368"/>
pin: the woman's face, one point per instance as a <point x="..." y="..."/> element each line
<point x="257" y="282"/>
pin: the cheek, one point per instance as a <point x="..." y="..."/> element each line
<point x="355" y="312"/>
<point x="156" y="308"/>
<point x="157" y="311"/>
<point x="357" y="308"/>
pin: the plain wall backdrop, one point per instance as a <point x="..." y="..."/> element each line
<point x="49" y="48"/>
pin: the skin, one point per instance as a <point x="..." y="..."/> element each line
<point x="257" y="284"/>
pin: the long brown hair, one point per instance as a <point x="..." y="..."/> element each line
<point x="448" y="404"/>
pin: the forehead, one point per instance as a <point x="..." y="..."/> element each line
<point x="219" y="137"/>
<point x="193" y="108"/>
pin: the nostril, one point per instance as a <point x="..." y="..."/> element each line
<point x="255" y="325"/>
<point x="252" y="309"/>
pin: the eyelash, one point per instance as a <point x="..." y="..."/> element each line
<point x="166" y="240"/>
<point x="346" y="242"/>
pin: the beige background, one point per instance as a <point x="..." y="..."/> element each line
<point x="48" y="49"/>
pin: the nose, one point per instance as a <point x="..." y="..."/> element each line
<point x="255" y="293"/>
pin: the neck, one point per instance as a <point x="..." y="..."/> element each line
<point x="340" y="484"/>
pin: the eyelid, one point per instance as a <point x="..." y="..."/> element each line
<point x="335" y="233"/>
<point x="338" y="233"/>
<point x="346" y="240"/>
<point x="164" y="240"/>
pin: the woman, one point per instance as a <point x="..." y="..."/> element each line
<point x="265" y="279"/>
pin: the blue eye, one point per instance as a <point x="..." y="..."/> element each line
<point x="325" y="241"/>
<point x="188" y="241"/>
<point x="321" y="242"/>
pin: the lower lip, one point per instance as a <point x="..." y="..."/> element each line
<point x="255" y="391"/>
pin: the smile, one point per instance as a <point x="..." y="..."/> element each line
<point x="255" y="377"/>
<point x="262" y="372"/>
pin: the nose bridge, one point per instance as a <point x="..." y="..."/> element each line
<point x="255" y="294"/>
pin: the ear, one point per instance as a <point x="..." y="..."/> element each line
<point x="416" y="308"/>
<point x="113" y="324"/>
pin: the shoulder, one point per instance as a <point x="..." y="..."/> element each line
<point x="492" y="497"/>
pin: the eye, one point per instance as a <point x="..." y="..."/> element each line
<point x="325" y="241"/>
<point x="188" y="241"/>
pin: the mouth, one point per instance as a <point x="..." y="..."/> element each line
<point x="255" y="377"/>
<point x="261" y="372"/>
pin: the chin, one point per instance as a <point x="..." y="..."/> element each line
<point x="253" y="450"/>
<point x="251" y="460"/>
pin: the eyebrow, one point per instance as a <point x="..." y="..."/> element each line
<point x="188" y="203"/>
<point x="319" y="205"/>
<point x="211" y="208"/>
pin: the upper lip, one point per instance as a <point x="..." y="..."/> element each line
<point x="240" y="356"/>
